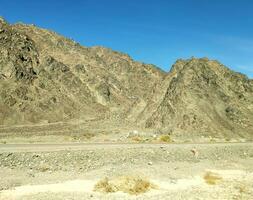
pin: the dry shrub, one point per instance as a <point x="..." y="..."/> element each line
<point x="137" y="138"/>
<point x="242" y="187"/>
<point x="127" y="184"/>
<point x="165" y="138"/>
<point x="104" y="186"/>
<point x="43" y="168"/>
<point x="212" y="178"/>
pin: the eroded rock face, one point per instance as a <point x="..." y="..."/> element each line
<point x="46" y="77"/>
<point x="19" y="57"/>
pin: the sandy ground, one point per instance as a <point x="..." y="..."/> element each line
<point x="70" y="171"/>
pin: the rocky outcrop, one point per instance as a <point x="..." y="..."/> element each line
<point x="19" y="57"/>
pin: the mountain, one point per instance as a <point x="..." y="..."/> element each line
<point x="46" y="78"/>
<point x="203" y="96"/>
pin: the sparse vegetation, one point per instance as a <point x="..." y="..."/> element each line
<point x="43" y="168"/>
<point x="165" y="138"/>
<point x="104" y="186"/>
<point x="136" y="139"/>
<point x="127" y="184"/>
<point x="242" y="188"/>
<point x="212" y="178"/>
<point x="212" y="140"/>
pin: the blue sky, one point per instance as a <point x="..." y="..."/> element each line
<point x="152" y="31"/>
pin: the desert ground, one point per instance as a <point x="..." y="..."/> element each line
<point x="87" y="122"/>
<point x="126" y="171"/>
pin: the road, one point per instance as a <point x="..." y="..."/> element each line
<point x="85" y="146"/>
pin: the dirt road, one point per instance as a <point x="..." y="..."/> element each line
<point x="84" y="146"/>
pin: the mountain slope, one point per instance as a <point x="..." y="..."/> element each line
<point x="205" y="97"/>
<point x="45" y="77"/>
<point x="68" y="81"/>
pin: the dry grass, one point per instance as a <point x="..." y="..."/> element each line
<point x="212" y="178"/>
<point x="165" y="138"/>
<point x="137" y="139"/>
<point x="43" y="168"/>
<point x="242" y="188"/>
<point x="213" y="140"/>
<point x="104" y="186"/>
<point x="127" y="184"/>
<point x="244" y="191"/>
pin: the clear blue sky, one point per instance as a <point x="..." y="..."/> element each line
<point x="152" y="31"/>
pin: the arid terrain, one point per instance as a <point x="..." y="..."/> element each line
<point x="82" y="122"/>
<point x="46" y="78"/>
<point x="217" y="171"/>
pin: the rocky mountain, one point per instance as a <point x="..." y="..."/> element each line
<point x="203" y="96"/>
<point x="46" y="78"/>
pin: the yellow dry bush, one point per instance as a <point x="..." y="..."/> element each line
<point x="212" y="178"/>
<point x="165" y="138"/>
<point x="137" y="138"/>
<point x="127" y="184"/>
<point x="104" y="186"/>
<point x="43" y="168"/>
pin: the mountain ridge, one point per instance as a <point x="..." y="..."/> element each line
<point x="57" y="79"/>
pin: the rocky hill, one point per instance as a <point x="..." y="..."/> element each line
<point x="46" y="78"/>
<point x="203" y="96"/>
